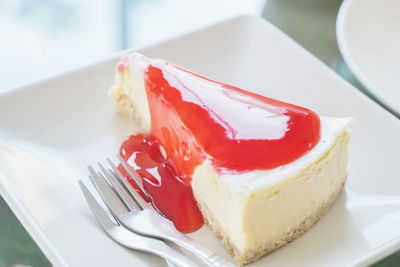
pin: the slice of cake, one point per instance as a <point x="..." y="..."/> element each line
<point x="262" y="171"/>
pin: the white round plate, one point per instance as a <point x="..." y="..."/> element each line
<point x="368" y="33"/>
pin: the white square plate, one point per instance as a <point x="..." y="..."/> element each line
<point x="50" y="132"/>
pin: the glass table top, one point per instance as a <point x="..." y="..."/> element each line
<point x="52" y="36"/>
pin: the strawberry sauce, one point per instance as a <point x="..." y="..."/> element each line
<point x="169" y="194"/>
<point x="196" y="119"/>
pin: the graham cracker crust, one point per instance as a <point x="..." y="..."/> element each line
<point x="251" y="256"/>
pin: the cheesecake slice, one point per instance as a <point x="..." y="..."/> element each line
<point x="262" y="171"/>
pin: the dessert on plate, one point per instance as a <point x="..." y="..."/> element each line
<point x="259" y="172"/>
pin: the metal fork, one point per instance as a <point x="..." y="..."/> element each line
<point x="139" y="215"/>
<point x="131" y="240"/>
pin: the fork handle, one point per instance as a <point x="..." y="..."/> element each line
<point x="207" y="256"/>
<point x="163" y="250"/>
<point x="169" y="232"/>
<point x="155" y="225"/>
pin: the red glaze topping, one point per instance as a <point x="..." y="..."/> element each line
<point x="195" y="118"/>
<point x="171" y="196"/>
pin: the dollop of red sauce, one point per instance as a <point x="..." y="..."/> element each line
<point x="196" y="119"/>
<point x="169" y="194"/>
<point x="123" y="64"/>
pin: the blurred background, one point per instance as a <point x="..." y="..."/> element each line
<point x="41" y="38"/>
<point x="52" y="36"/>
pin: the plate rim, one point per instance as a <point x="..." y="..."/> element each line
<point x="26" y="219"/>
<point x="24" y="216"/>
<point x="354" y="67"/>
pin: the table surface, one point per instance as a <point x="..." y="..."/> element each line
<point x="53" y="36"/>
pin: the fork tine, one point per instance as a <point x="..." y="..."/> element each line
<point x="118" y="188"/>
<point x="133" y="193"/>
<point x="128" y="187"/>
<point x="97" y="210"/>
<point x="131" y="240"/>
<point x="134" y="175"/>
<point x="105" y="191"/>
